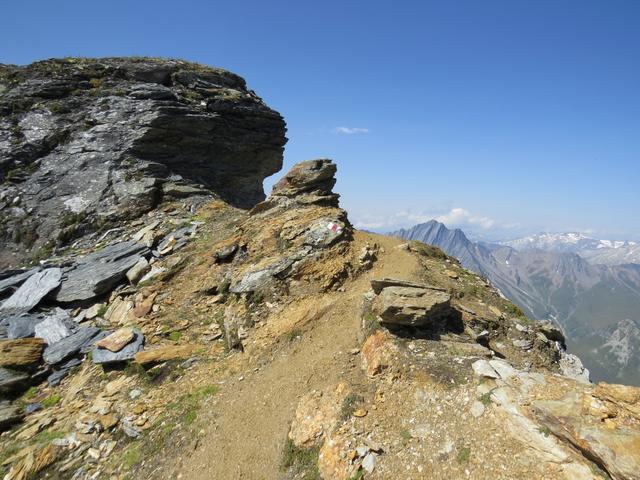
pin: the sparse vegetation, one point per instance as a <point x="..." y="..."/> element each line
<point x="427" y="250"/>
<point x="405" y="436"/>
<point x="349" y="404"/>
<point x="174" y="336"/>
<point x="51" y="400"/>
<point x="544" y="430"/>
<point x="291" y="335"/>
<point x="132" y="455"/>
<point x="464" y="454"/>
<point x="485" y="399"/>
<point x="303" y="461"/>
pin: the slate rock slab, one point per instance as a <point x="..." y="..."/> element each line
<point x="99" y="272"/>
<point x="9" y="415"/>
<point x="23" y="326"/>
<point x="34" y="289"/>
<point x="104" y="356"/>
<point x="62" y="371"/>
<point x="14" y="278"/>
<point x="21" y="352"/>
<point x="70" y="345"/>
<point x="55" y="327"/>
<point x="12" y="381"/>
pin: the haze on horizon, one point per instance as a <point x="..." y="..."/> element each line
<point x="502" y="118"/>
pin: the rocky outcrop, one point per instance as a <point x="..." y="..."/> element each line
<point x="85" y="143"/>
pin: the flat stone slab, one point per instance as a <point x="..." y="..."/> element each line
<point x="34" y="289"/>
<point x="128" y="352"/>
<point x="55" y="327"/>
<point x="23" y="326"/>
<point x="117" y="340"/>
<point x="379" y="284"/>
<point x="166" y="353"/>
<point x="14" y="278"/>
<point x="71" y="345"/>
<point x="21" y="352"/>
<point x="411" y="306"/>
<point x="9" y="415"/>
<point x="99" y="272"/>
<point x="12" y="381"/>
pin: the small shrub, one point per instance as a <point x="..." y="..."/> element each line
<point x="464" y="454"/>
<point x="51" y="400"/>
<point x="291" y="335"/>
<point x="485" y="399"/>
<point x="546" y="431"/>
<point x="132" y="455"/>
<point x="303" y="461"/>
<point x="349" y="405"/>
<point x="175" y="336"/>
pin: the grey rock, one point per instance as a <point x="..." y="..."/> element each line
<point x="176" y="239"/>
<point x="324" y="232"/>
<point x="23" y="326"/>
<point x="551" y="331"/>
<point x="310" y="181"/>
<point x="369" y="463"/>
<point x="413" y="306"/>
<point x="15" y="278"/>
<point x="524" y="344"/>
<point x="96" y="139"/>
<point x="252" y="281"/>
<point x="70" y="345"/>
<point x="99" y="272"/>
<point x="9" y="415"/>
<point x="138" y="271"/>
<point x="129" y="429"/>
<point x="32" y="408"/>
<point x="104" y="356"/>
<point x="34" y="289"/>
<point x="62" y="371"/>
<point x="12" y="381"/>
<point x="482" y="368"/>
<point x="225" y="254"/>
<point x="571" y="366"/>
<point x="379" y="284"/>
<point x="55" y="327"/>
<point x="154" y="272"/>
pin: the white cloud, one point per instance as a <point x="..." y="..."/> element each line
<point x="460" y="217"/>
<point x="456" y="217"/>
<point x="350" y="130"/>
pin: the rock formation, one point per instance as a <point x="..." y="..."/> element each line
<point x="85" y="143"/>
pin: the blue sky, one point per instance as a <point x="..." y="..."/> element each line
<point x="503" y="117"/>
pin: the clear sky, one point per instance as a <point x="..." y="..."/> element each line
<point x="498" y="116"/>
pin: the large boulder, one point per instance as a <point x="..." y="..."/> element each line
<point x="87" y="142"/>
<point x="311" y="181"/>
<point x="416" y="306"/>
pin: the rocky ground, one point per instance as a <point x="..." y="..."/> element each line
<point x="200" y="340"/>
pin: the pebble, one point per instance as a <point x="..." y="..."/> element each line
<point x="135" y="393"/>
<point x="477" y="409"/>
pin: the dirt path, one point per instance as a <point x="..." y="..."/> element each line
<point x="247" y="424"/>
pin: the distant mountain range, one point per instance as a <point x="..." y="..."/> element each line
<point x="597" y="305"/>
<point x="606" y="252"/>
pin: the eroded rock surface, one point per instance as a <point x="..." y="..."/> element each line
<point x="88" y="142"/>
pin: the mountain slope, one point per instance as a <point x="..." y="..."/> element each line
<point x="562" y="286"/>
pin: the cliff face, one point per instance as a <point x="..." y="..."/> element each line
<point x="85" y="143"/>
